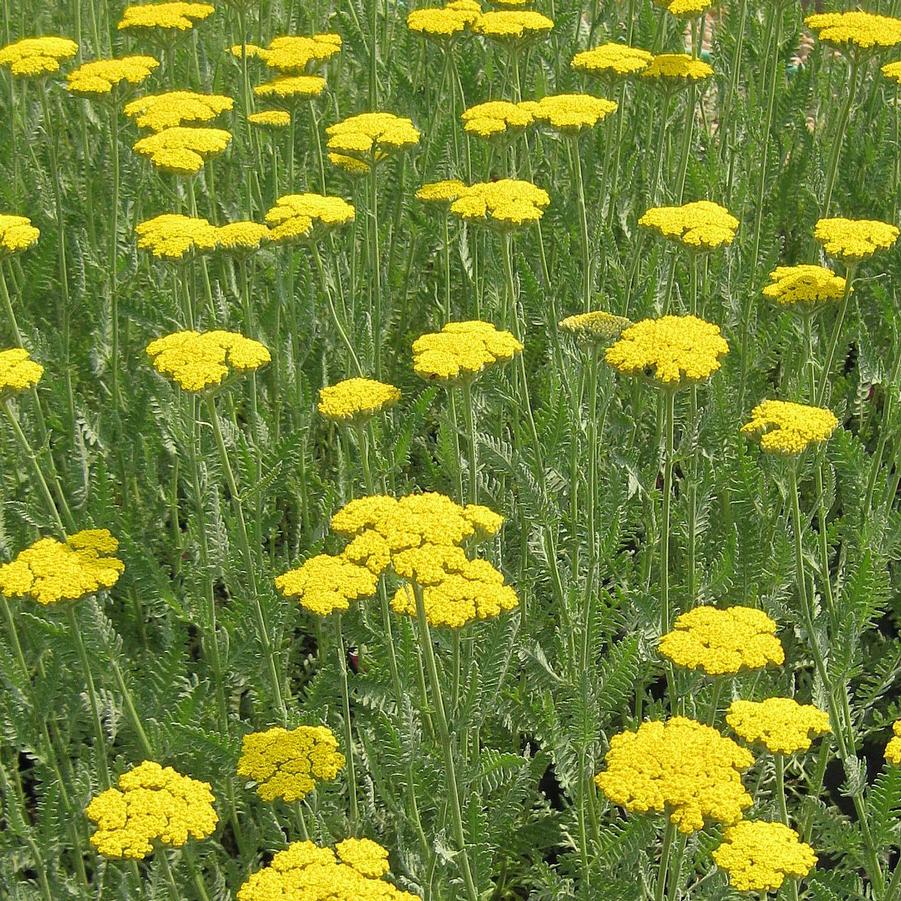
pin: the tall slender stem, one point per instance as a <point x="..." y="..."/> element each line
<point x="669" y="415"/>
<point x="669" y="834"/>
<point x="836" y="334"/>
<point x="348" y="727"/>
<point x="114" y="257"/>
<point x="469" y="416"/>
<point x="839" y="139"/>
<point x="8" y="306"/>
<point x="376" y="285"/>
<point x="583" y="223"/>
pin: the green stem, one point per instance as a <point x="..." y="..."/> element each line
<point x="583" y="223"/>
<point x="342" y="331"/>
<point x="10" y="312"/>
<point x="836" y="334"/>
<point x="469" y="416"/>
<point x="669" y="833"/>
<point x="840" y="135"/>
<point x="376" y="284"/>
<point x="114" y="259"/>
<point x="669" y="416"/>
<point x="348" y="727"/>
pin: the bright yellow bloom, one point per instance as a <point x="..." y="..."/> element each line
<point x="152" y="804"/>
<point x="446" y="191"/>
<point x="504" y="204"/>
<point x="673" y="350"/>
<point x="16" y="234"/>
<point x="723" y="642"/>
<point x="613" y="59"/>
<point x="242" y="236"/>
<point x="685" y="8"/>
<point x="893" y="748"/>
<point x="270" y="118"/>
<point x="677" y="67"/>
<point x="679" y="766"/>
<point x="497" y="117"/>
<point x="172" y="236"/>
<point x="18" y="371"/>
<point x="304" y="870"/>
<point x="297" y="217"/>
<point x="892" y="71"/>
<point x="855" y="28"/>
<point x="597" y="325"/>
<point x="702" y="225"/>
<point x="32" y="57"/>
<point x="157" y="112"/>
<point x="443" y="23"/>
<point x="807" y="286"/>
<point x="324" y="584"/>
<point x="781" y="725"/>
<point x="288" y="764"/>
<point x="570" y="113"/>
<point x="168" y="16"/>
<point x="356" y="400"/>
<point x="183" y="150"/>
<point x="102" y="75"/>
<point x="782" y="427"/>
<point x="758" y="856"/>
<point x="201" y="360"/>
<point x="52" y="571"/>
<point x="349" y="164"/>
<point x="239" y="51"/>
<point x="371" y="137"/>
<point x="513" y="26"/>
<point x="462" y="351"/>
<point x="291" y="87"/>
<point x="851" y="240"/>
<point x="293" y="53"/>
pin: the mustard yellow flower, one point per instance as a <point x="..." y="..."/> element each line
<point x="287" y="764"/>
<point x="505" y="204"/>
<point x="356" y="400"/>
<point x="686" y="9"/>
<point x="852" y="240"/>
<point x="250" y="51"/>
<point x="804" y="286"/>
<point x="782" y="427"/>
<point x="52" y="571"/>
<point x="679" y="766"/>
<point x="677" y="67"/>
<point x="270" y="118"/>
<point x="151" y="805"/>
<point x="242" y="236"/>
<point x="497" y="117"/>
<point x="182" y="150"/>
<point x="297" y="217"/>
<point x="32" y="57"/>
<point x="598" y="325"/>
<point x="893" y="748"/>
<point x="18" y="371"/>
<point x="462" y="351"/>
<point x="613" y="59"/>
<point x="291" y="88"/>
<point x="351" y="165"/>
<point x="570" y="113"/>
<point x="167" y="16"/>
<point x="325" y="584"/>
<point x="200" y="360"/>
<point x="445" y="191"/>
<point x="863" y="30"/>
<point x="293" y="53"/>
<point x="172" y="236"/>
<point x="758" y="856"/>
<point x="892" y="71"/>
<point x="781" y="725"/>
<point x="157" y="112"/>
<point x="673" y="350"/>
<point x="101" y="76"/>
<point x="16" y="234"/>
<point x="371" y="137"/>
<point x="513" y="26"/>
<point x="443" y="23"/>
<point x="702" y="225"/>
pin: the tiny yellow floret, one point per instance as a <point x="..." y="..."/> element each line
<point x="893" y="748"/>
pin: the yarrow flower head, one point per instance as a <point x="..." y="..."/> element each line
<point x="508" y="203"/>
<point x="852" y="240"/>
<point x="289" y="89"/>
<point x="855" y="29"/>
<point x="445" y="191"/>
<point x="497" y="117"/>
<point x="513" y="25"/>
<point x="327" y="584"/>
<point x="673" y="351"/>
<point x="52" y="571"/>
<point x="300" y="217"/>
<point x="103" y="76"/>
<point x="270" y="118"/>
<point x="243" y="236"/>
<point x="444" y="23"/>
<point x="172" y="236"/>
<point x="618" y="60"/>
<point x="33" y="57"/>
<point x="354" y="871"/>
<point x="462" y="351"/>
<point x="173" y="17"/>
<point x="677" y="67"/>
<point x="893" y="748"/>
<point x="595" y="326"/>
<point x="782" y="427"/>
<point x="200" y="360"/>
<point x="892" y="71"/>
<point x="157" y="112"/>
<point x="16" y="234"/>
<point x="182" y="150"/>
<point x="686" y="9"/>
<point x="570" y="113"/>
<point x="758" y="856"/>
<point x="680" y="766"/>
<point x="152" y="805"/>
<point x="356" y="400"/>
<point x="781" y="725"/>
<point x="701" y="225"/>
<point x="806" y="287"/>
<point x="18" y="371"/>
<point x="287" y="764"/>
<point x="723" y="642"/>
<point x="294" y="53"/>
<point x="372" y="137"/>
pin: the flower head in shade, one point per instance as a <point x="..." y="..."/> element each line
<point x="570" y="113"/>
<point x="102" y="76"/>
<point x="508" y="203"/>
<point x="674" y="351"/>
<point x="325" y="584"/>
<point x="250" y="51"/>
<point x="679" y="766"/>
<point x="242" y="237"/>
<point x="758" y="856"/>
<point x="595" y="326"/>
<point x="462" y="351"/>
<point x="497" y="117"/>
<point x="806" y="287"/>
<point x="444" y="23"/>
<point x="781" y="725"/>
<point x="865" y="31"/>
<point x="701" y="225"/>
<point x="167" y="16"/>
<point x="349" y="164"/>
<point x="723" y="642"/>
<point x="291" y="88"/>
<point x="354" y="871"/>
<point x="513" y="25"/>
<point x="294" y="53"/>
<point x="852" y="240"/>
<point x="16" y="234"/>
<point x="782" y="427"/>
<point x="181" y="150"/>
<point x="158" y="112"/>
<point x="18" y="371"/>
<point x="445" y="191"/>
<point x="200" y="360"/>
<point x="893" y="748"/>
<point x="33" y="57"/>
<point x="270" y="118"/>
<point x="52" y="571"/>
<point x="372" y="137"/>
<point x="287" y="764"/>
<point x="686" y="9"/>
<point x="172" y="236"/>
<point x="677" y="67"/>
<point x="151" y="805"/>
<point x="301" y="217"/>
<point x="356" y="400"/>
<point x="892" y="71"/>
<point x="613" y="59"/>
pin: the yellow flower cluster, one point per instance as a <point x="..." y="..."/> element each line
<point x="446" y="191"/>
<point x="613" y="59"/>
<point x="200" y="360"/>
<point x="723" y="642"/>
<point x="18" y="371"/>
<point x="52" y="571"/>
<point x="504" y="204"/>
<point x="157" y="112"/>
<point x="293" y="53"/>
<point x="856" y="28"/>
<point x="354" y="871"/>
<point x="168" y="16"/>
<point x="782" y="427"/>
<point x="32" y="57"/>
<point x="290" y="88"/>
<point x="356" y="400"/>
<point x="677" y="67"/>
<point x="371" y="137"/>
<point x="288" y="764"/>
<point x="297" y="217"/>
<point x="851" y="240"/>
<point x="893" y="748"/>
<point x="325" y="584"/>
<point x="172" y="236"/>
<point x="462" y="351"/>
<point x="781" y="725"/>
<point x="806" y="286"/>
<point x="445" y="22"/>
<point x="673" y="350"/>
<point x="242" y="236"/>
<point x="270" y="118"/>
<point x="570" y="113"/>
<point x="758" y="856"/>
<point x="680" y="766"/>
<point x="597" y="325"/>
<point x="497" y="117"/>
<point x="512" y="25"/>
<point x="702" y="225"/>
<point x="102" y="75"/>
<point x="183" y="150"/>
<point x="892" y="71"/>
<point x="151" y="804"/>
<point x="685" y="8"/>
<point x="16" y="234"/>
